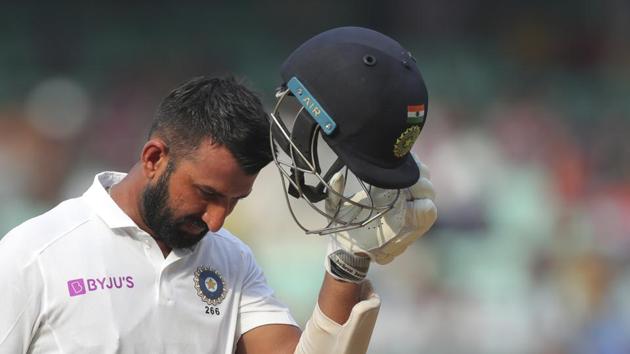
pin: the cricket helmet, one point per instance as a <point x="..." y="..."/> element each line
<point x="362" y="92"/>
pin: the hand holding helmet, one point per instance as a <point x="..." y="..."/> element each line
<point x="362" y="93"/>
<point x="385" y="237"/>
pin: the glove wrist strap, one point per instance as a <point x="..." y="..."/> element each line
<point x="346" y="266"/>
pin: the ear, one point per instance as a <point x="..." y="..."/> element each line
<point x="154" y="157"/>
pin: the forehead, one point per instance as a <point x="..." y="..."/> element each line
<point x="213" y="165"/>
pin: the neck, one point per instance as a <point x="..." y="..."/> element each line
<point x="127" y="195"/>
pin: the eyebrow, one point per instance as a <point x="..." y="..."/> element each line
<point x="210" y="190"/>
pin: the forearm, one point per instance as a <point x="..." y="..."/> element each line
<point x="343" y="319"/>
<point x="337" y="298"/>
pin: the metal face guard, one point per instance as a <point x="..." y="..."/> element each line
<point x="297" y="160"/>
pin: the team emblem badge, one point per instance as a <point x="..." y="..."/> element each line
<point x="210" y="285"/>
<point x="406" y="140"/>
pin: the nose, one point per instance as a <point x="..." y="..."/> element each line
<point x="215" y="215"/>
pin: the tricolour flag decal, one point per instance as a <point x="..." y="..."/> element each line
<point x="415" y="114"/>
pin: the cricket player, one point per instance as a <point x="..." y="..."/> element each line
<point x="140" y="263"/>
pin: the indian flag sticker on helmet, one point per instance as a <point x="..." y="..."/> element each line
<point x="415" y="114"/>
<point x="210" y="285"/>
<point x="406" y="140"/>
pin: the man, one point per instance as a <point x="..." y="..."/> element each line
<point x="141" y="263"/>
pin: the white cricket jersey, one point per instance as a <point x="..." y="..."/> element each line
<point x="83" y="278"/>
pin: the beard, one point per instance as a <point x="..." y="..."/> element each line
<point x="160" y="218"/>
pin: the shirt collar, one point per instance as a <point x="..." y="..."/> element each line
<point x="101" y="202"/>
<point x="105" y="207"/>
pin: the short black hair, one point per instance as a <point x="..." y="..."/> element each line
<point x="216" y="108"/>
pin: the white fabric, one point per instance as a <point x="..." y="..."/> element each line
<point x="135" y="301"/>
<point x="384" y="238"/>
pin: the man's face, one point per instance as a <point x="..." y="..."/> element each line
<point x="160" y="216"/>
<point x="194" y="196"/>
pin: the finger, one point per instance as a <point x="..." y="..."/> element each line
<point x="337" y="185"/>
<point x="422" y="189"/>
<point x="383" y="258"/>
<point x="424" y="170"/>
<point x="424" y="212"/>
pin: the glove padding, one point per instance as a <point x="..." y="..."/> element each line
<point x="384" y="238"/>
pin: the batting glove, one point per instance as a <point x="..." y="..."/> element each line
<point x="412" y="215"/>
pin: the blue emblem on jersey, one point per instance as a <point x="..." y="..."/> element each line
<point x="210" y="285"/>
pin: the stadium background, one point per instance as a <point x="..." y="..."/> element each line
<point x="526" y="138"/>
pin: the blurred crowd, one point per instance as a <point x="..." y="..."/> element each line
<point x="525" y="138"/>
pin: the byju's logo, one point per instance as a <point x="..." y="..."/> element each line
<point x="83" y="286"/>
<point x="76" y="287"/>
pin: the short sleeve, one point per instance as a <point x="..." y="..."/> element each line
<point x="258" y="305"/>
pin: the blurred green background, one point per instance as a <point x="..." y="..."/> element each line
<point x="526" y="140"/>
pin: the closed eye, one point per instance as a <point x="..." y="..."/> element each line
<point x="208" y="193"/>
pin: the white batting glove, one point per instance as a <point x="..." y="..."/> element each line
<point x="384" y="238"/>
